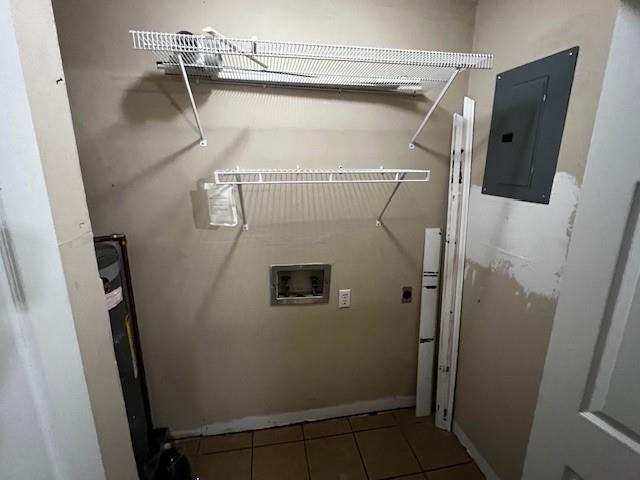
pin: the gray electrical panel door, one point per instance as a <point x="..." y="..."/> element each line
<point x="529" y="110"/>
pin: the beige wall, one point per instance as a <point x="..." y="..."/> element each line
<point x="49" y="107"/>
<point x="214" y="348"/>
<point x="516" y="251"/>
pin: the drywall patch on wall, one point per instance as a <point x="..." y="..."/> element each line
<point x="526" y="241"/>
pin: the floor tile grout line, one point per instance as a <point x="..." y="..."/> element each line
<point x="366" y="471"/>
<point x="252" y="446"/>
<point x="275" y="427"/>
<point x="413" y="452"/>
<point x="448" y="466"/>
<point x="346" y="433"/>
<point x="225" y="451"/>
<point x="278" y="443"/>
<point x="305" y="438"/>
<point x="306" y="457"/>
<point x="251" y="466"/>
<point x="375" y="428"/>
<point x="251" y="457"/>
<point x="407" y="475"/>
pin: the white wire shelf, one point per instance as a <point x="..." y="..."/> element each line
<point x="308" y="65"/>
<point x="315" y="176"/>
<point x="304" y="64"/>
<point x="304" y="176"/>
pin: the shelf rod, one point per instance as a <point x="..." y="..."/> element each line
<point x="314" y="182"/>
<point x="412" y="144"/>
<point x="203" y="140"/>
<point x="386" y="205"/>
<point x="316" y="176"/>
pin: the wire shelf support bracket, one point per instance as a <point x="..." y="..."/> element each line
<point x="435" y="104"/>
<point x="386" y="205"/>
<point x="218" y="58"/>
<point x="194" y="107"/>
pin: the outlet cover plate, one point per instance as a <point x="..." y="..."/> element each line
<point x="344" y="298"/>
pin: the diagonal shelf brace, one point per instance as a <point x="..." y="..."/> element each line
<point x="203" y="140"/>
<point x="386" y="205"/>
<point x="245" y="223"/>
<point x="436" y="102"/>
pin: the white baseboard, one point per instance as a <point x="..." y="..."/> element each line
<point x="483" y="465"/>
<point x="288" y="418"/>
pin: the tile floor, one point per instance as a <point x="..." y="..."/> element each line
<point x="386" y="445"/>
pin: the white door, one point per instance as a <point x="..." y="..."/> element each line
<point x="428" y="318"/>
<point x="587" y="421"/>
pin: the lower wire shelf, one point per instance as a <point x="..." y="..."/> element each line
<point x="301" y="176"/>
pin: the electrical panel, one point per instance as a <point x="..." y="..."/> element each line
<point x="529" y="111"/>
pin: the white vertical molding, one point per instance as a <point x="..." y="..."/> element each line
<point x="429" y="299"/>
<point x="456" y="235"/>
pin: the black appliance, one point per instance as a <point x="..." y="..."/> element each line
<point x="113" y="265"/>
<point x="156" y="458"/>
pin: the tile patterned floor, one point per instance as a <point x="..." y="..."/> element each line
<point x="382" y="446"/>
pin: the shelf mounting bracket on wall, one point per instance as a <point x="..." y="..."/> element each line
<point x="393" y="192"/>
<point x="436" y="102"/>
<point x="194" y="107"/>
<point x="245" y="221"/>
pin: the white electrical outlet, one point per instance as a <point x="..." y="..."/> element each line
<point x="344" y="298"/>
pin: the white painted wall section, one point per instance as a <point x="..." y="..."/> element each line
<point x="526" y="241"/>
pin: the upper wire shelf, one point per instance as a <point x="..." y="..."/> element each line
<point x="220" y="58"/>
<point x="309" y="65"/>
